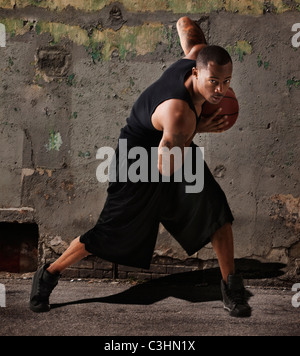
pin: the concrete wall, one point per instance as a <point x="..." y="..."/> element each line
<point x="71" y="71"/>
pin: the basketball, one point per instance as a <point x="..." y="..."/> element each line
<point x="230" y="107"/>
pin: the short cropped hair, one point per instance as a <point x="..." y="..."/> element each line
<point x="215" y="54"/>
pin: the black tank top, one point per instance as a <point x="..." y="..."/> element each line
<point x="139" y="130"/>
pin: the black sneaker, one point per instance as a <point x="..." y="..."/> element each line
<point x="235" y="296"/>
<point x="42" y="285"/>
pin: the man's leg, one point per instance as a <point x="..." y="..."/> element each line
<point x="46" y="278"/>
<point x="75" y="253"/>
<point x="232" y="286"/>
<point x="222" y="242"/>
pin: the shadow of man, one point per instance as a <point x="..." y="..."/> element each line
<point x="195" y="287"/>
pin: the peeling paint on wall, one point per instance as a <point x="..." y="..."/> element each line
<point x="261" y="63"/>
<point x="52" y="62"/>
<point x="287" y="209"/>
<point x="138" y="40"/>
<point x="252" y="7"/>
<point x="293" y="83"/>
<point x="241" y="48"/>
<point x="55" y="141"/>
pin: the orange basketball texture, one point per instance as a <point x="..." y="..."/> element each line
<point x="230" y="107"/>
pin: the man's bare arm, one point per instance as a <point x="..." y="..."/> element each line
<point x="190" y="34"/>
<point x="179" y="126"/>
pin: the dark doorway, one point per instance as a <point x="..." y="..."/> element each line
<point x="18" y="247"/>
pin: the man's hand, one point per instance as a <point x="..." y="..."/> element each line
<point x="210" y="124"/>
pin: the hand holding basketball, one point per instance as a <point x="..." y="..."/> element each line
<point x="214" y="123"/>
<point x="219" y="117"/>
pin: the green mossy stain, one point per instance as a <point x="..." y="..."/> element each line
<point x="249" y="7"/>
<point x="261" y="63"/>
<point x="138" y="40"/>
<point x="293" y="83"/>
<point x="241" y="48"/>
<point x="55" y="141"/>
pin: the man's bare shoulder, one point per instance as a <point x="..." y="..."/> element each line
<point x="173" y="112"/>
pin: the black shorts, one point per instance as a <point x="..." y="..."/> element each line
<point x="127" y="228"/>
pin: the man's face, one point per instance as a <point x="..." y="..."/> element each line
<point x="213" y="81"/>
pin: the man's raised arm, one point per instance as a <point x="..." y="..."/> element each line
<point x="190" y="34"/>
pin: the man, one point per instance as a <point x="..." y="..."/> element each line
<point x="166" y="115"/>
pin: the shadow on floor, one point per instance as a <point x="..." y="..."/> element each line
<point x="195" y="287"/>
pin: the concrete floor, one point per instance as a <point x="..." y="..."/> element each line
<point x="163" y="307"/>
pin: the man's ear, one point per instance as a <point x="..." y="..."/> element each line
<point x="195" y="72"/>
